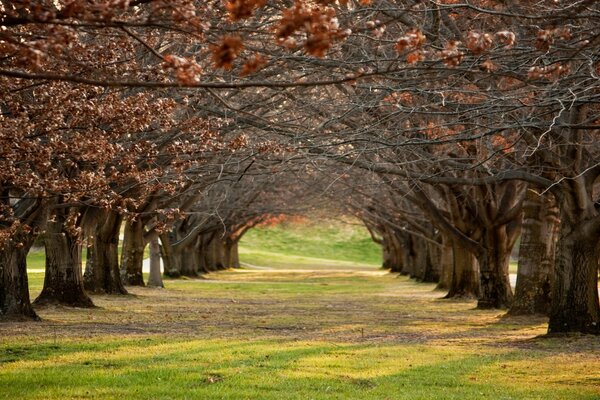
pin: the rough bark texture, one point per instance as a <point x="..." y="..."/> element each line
<point x="536" y="256"/>
<point x="155" y="278"/>
<point x="575" y="301"/>
<point x="465" y="278"/>
<point x="132" y="254"/>
<point x="215" y="260"/>
<point x="233" y="257"/>
<point x="14" y="287"/>
<point x="446" y="265"/>
<point x="63" y="281"/>
<point x="495" y="290"/>
<point x="408" y="251"/>
<point x="102" y="273"/>
<point x="433" y="264"/>
<point x="393" y="252"/>
<point x="188" y="259"/>
<point x="171" y="269"/>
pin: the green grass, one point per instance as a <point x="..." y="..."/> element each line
<point x="291" y="334"/>
<point x="307" y="328"/>
<point x="336" y="244"/>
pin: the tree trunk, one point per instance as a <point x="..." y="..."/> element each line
<point x="132" y="254"/>
<point x="465" y="278"/>
<point x="493" y="269"/>
<point x="14" y="287"/>
<point x="446" y="264"/>
<point x="102" y="274"/>
<point x="171" y="268"/>
<point x="63" y="281"/>
<point x="155" y="278"/>
<point x="233" y="257"/>
<point x="188" y="258"/>
<point x="432" y="265"/>
<point x="395" y="252"/>
<point x="575" y="305"/>
<point x="408" y="250"/>
<point x="215" y="254"/>
<point x="536" y="256"/>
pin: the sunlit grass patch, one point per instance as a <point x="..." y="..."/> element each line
<point x="275" y="368"/>
<point x="342" y="330"/>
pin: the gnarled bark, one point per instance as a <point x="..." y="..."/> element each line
<point x="171" y="268"/>
<point x="493" y="266"/>
<point x="536" y="256"/>
<point x="15" y="303"/>
<point x="465" y="278"/>
<point x="575" y="304"/>
<point x="446" y="264"/>
<point x="132" y="253"/>
<point x="102" y="273"/>
<point x="232" y="254"/>
<point x="63" y="281"/>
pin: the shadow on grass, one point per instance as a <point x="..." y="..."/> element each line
<point x="270" y="370"/>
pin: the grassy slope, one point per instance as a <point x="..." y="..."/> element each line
<point x="301" y="245"/>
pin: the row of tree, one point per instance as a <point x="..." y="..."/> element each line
<point x="443" y="125"/>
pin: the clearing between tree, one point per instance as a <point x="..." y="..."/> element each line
<point x="294" y="334"/>
<point x="291" y="331"/>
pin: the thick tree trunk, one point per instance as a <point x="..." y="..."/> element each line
<point x="171" y="268"/>
<point x="395" y="252"/>
<point x="420" y="258"/>
<point x="132" y="254"/>
<point x="102" y="274"/>
<point x="432" y="265"/>
<point x="14" y="287"/>
<point x="465" y="278"/>
<point x="493" y="269"/>
<point x="575" y="305"/>
<point x="188" y="258"/>
<point x="63" y="281"/>
<point x="233" y="257"/>
<point x="215" y="259"/>
<point x="446" y="264"/>
<point x="155" y="278"/>
<point x="536" y="256"/>
<point x="409" y="255"/>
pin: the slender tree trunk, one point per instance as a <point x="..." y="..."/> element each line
<point x="536" y="256"/>
<point x="575" y="305"/>
<point x="493" y="269"/>
<point x="132" y="254"/>
<point x="102" y="274"/>
<point x="465" y="278"/>
<point x="14" y="287"/>
<point x="155" y="278"/>
<point x="63" y="281"/>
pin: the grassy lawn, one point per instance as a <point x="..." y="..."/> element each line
<point x="293" y="334"/>
<point x="333" y="330"/>
<point x="334" y="244"/>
